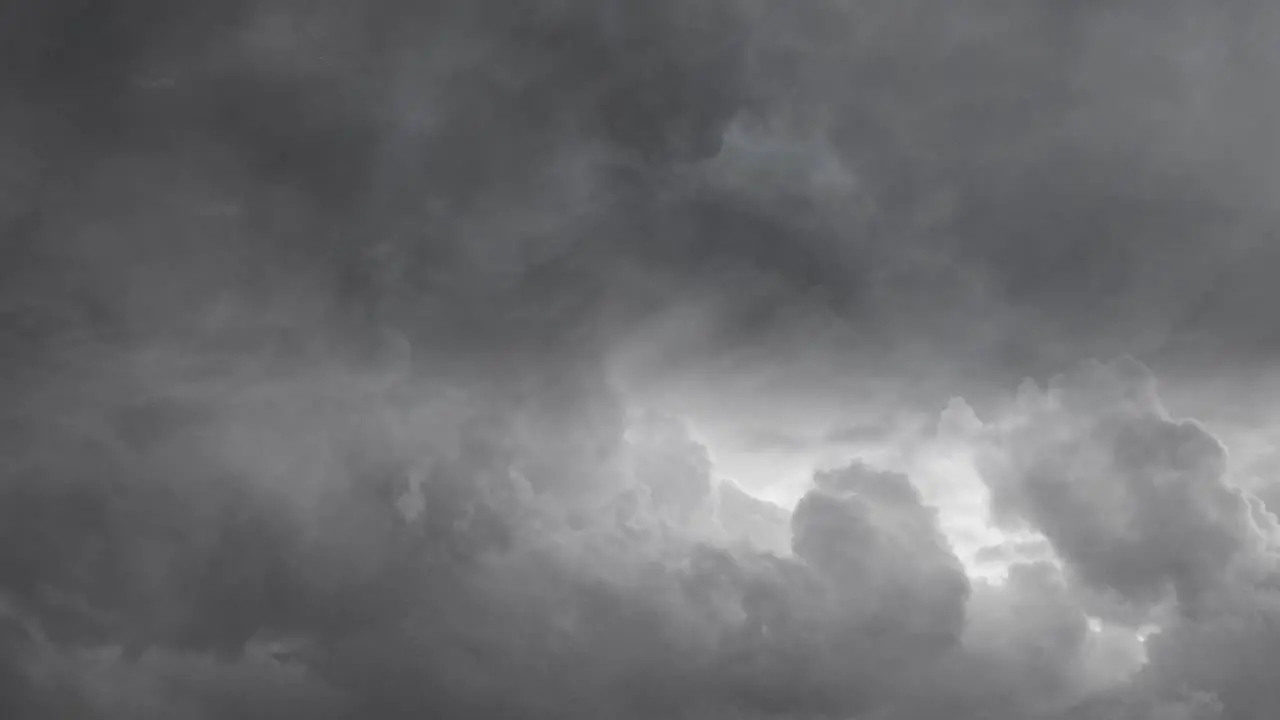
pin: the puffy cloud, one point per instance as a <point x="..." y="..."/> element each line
<point x="863" y="528"/>
<point x="1136" y="506"/>
<point x="674" y="470"/>
<point x="1131" y="498"/>
<point x="276" y="512"/>
<point x="1032" y="648"/>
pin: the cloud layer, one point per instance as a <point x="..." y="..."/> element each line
<point x="335" y="343"/>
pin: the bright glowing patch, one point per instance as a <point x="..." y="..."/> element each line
<point x="949" y="482"/>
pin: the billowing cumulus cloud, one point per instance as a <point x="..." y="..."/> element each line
<point x="368" y="360"/>
<point x="1137" y="510"/>
<point x="1132" y="499"/>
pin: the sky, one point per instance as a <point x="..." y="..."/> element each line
<point x="630" y="359"/>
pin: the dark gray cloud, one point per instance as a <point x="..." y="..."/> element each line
<point x="321" y="328"/>
<point x="1137" y="508"/>
<point x="1134" y="500"/>
<point x="955" y="195"/>
<point x="989" y="191"/>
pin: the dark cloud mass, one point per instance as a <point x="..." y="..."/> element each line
<point x="339" y="344"/>
<point x="1132" y="498"/>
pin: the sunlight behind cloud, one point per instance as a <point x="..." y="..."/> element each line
<point x="941" y="467"/>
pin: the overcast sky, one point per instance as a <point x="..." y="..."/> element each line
<point x="631" y="359"/>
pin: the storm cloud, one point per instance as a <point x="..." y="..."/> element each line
<point x="375" y="360"/>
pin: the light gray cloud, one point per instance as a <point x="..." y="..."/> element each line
<point x="770" y="440"/>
